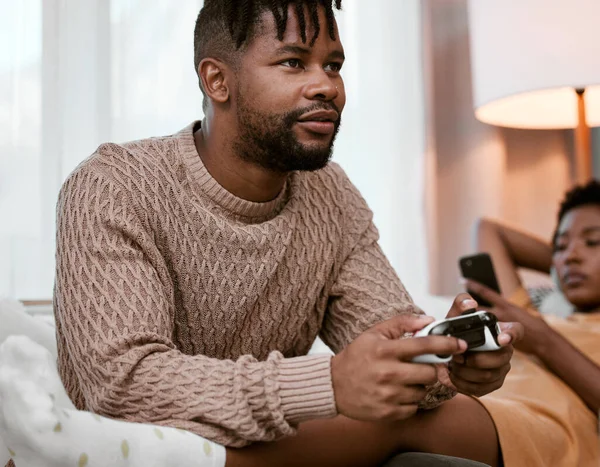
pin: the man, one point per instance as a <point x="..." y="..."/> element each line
<point x="194" y="271"/>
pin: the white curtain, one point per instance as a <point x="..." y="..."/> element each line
<point x="382" y="141"/>
<point x="76" y="73"/>
<point x="20" y="139"/>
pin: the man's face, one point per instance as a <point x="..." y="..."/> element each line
<point x="289" y="96"/>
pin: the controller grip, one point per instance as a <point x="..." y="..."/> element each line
<point x="431" y="358"/>
<point x="490" y="342"/>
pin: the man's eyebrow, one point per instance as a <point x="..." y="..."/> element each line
<point x="292" y="49"/>
<point x="300" y="50"/>
<point x="337" y="54"/>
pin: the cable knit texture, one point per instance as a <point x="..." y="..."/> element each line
<point x="179" y="304"/>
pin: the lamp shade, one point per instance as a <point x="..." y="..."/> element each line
<point x="528" y="56"/>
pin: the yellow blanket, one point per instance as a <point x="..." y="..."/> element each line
<point x="540" y="420"/>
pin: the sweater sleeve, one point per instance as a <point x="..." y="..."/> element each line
<point x="367" y="289"/>
<point x="115" y="310"/>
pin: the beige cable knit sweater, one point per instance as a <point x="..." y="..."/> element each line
<point x="179" y="304"/>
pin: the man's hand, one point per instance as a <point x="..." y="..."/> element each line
<point x="479" y="373"/>
<point x="374" y="378"/>
<point x="536" y="329"/>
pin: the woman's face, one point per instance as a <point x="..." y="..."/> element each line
<point x="577" y="256"/>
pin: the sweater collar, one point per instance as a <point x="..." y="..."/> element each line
<point x="205" y="182"/>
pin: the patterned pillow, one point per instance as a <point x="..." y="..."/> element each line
<point x="550" y="300"/>
<point x="537" y="294"/>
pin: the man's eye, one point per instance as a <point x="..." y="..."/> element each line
<point x="592" y="243"/>
<point x="334" y="67"/>
<point x="292" y="63"/>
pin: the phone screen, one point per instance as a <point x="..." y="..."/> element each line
<point x="479" y="268"/>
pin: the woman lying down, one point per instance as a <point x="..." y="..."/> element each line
<point x="546" y="414"/>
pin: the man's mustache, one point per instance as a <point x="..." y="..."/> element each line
<point x="294" y="115"/>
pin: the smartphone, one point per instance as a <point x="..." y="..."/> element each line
<point x="479" y="268"/>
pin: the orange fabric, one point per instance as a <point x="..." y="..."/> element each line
<point x="540" y="420"/>
<point x="521" y="298"/>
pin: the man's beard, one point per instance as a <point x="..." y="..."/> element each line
<point x="268" y="140"/>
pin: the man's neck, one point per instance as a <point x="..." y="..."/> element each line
<point x="241" y="178"/>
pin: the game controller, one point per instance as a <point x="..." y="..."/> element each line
<point x="479" y="329"/>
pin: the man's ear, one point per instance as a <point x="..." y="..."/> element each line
<point x="215" y="79"/>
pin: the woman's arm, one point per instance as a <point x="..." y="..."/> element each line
<point x="563" y="359"/>
<point x="570" y="365"/>
<point x="510" y="249"/>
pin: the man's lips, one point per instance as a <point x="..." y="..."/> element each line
<point x="319" y="121"/>
<point x="320" y="116"/>
<point x="323" y="128"/>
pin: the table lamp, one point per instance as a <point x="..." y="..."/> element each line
<point x="536" y="65"/>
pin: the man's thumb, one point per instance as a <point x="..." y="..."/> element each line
<point x="396" y="327"/>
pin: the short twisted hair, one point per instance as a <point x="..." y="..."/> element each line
<point x="581" y="195"/>
<point x="223" y="27"/>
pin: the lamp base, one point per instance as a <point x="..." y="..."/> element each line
<point x="583" y="147"/>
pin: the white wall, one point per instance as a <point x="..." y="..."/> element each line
<point x="480" y="170"/>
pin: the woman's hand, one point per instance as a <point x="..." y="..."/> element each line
<point x="536" y="329"/>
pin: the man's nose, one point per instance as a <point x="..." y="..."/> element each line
<point x="321" y="86"/>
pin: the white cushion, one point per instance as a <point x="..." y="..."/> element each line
<point x="15" y="321"/>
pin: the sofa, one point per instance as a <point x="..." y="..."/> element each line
<point x="16" y="320"/>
